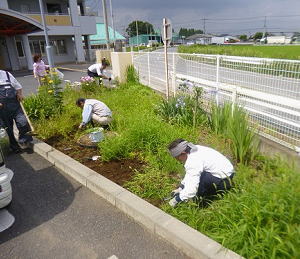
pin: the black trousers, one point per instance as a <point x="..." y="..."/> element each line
<point x="92" y="74"/>
<point x="211" y="186"/>
<point x="10" y="112"/>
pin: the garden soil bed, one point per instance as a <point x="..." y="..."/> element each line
<point x="118" y="171"/>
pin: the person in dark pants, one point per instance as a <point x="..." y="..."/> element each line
<point x="208" y="172"/>
<point x="97" y="70"/>
<point x="11" y="111"/>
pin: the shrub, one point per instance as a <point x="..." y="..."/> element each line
<point x="46" y="103"/>
<point x="185" y="109"/>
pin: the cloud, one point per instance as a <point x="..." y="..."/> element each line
<point x="190" y="14"/>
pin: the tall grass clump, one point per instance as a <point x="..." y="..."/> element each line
<point x="232" y="122"/>
<point x="131" y="75"/>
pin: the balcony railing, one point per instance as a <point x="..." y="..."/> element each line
<point x="53" y="19"/>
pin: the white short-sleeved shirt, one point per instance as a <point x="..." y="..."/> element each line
<point x="14" y="82"/>
<point x="96" y="68"/>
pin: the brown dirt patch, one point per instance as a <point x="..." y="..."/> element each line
<point x="118" y="171"/>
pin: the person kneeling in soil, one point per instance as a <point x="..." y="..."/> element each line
<point x="208" y="172"/>
<point x="94" y="110"/>
<point x="98" y="70"/>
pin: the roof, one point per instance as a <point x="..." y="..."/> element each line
<point x="198" y="36"/>
<point x="100" y="37"/>
<point x="14" y="23"/>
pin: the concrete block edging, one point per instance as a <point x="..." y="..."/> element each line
<point x="186" y="239"/>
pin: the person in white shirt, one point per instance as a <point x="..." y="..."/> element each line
<point x="98" y="70"/>
<point x="207" y="172"/>
<point x="94" y="110"/>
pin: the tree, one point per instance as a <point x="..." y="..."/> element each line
<point x="258" y="35"/>
<point x="189" y="32"/>
<point x="143" y="28"/>
<point x="243" y="37"/>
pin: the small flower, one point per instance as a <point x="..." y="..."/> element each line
<point x="50" y="81"/>
<point x="50" y="91"/>
<point x="43" y="78"/>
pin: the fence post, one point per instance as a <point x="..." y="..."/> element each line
<point x="233" y="99"/>
<point x="149" y="73"/>
<point x="217" y="80"/>
<point x="174" y="76"/>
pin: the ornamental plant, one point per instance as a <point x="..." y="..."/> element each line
<point x="88" y="84"/>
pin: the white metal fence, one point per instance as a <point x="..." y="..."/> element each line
<point x="269" y="89"/>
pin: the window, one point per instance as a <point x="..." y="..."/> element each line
<point x="54" y="8"/>
<point x="61" y="47"/>
<point x="39" y="47"/>
<point x="35" y="47"/>
<point x="20" y="49"/>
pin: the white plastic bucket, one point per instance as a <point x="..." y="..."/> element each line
<point x="97" y="135"/>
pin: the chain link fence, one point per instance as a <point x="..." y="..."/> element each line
<point x="268" y="89"/>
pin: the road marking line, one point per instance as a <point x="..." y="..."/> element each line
<point x="112" y="257"/>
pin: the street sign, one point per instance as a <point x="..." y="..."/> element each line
<point x="167" y="31"/>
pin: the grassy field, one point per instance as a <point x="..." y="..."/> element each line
<point x="281" y="52"/>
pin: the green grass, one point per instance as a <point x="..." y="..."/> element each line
<point x="281" y="52"/>
<point x="259" y="218"/>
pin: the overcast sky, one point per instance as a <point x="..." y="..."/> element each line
<point x="190" y="14"/>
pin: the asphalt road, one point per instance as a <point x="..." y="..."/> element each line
<point x="30" y="84"/>
<point x="56" y="217"/>
<point x="205" y="68"/>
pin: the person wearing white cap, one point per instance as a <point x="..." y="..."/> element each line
<point x="207" y="172"/>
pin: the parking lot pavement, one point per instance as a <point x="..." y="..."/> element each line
<point x="56" y="217"/>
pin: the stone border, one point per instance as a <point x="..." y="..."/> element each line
<point x="188" y="240"/>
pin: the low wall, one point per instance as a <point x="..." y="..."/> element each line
<point x="103" y="54"/>
<point x="120" y="61"/>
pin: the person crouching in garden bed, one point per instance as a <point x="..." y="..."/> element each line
<point x="98" y="70"/>
<point x="208" y="173"/>
<point x="94" y="110"/>
<point x="39" y="68"/>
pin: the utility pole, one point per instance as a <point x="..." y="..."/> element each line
<point x="48" y="46"/>
<point x="204" y="30"/>
<point x="105" y="23"/>
<point x="112" y="19"/>
<point x="265" y="27"/>
<point x="137" y="34"/>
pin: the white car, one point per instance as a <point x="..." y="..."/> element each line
<point x="5" y="186"/>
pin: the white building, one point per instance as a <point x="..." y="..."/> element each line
<point x="278" y="39"/>
<point x="204" y="39"/>
<point x="67" y="26"/>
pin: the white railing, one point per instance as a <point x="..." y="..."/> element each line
<point x="269" y="89"/>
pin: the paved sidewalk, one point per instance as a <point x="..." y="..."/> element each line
<point x="58" y="218"/>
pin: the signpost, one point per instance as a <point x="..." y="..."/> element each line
<point x="167" y="38"/>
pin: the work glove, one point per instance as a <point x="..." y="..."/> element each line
<point x="173" y="202"/>
<point x="81" y="126"/>
<point x="176" y="191"/>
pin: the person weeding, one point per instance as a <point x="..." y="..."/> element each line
<point x="11" y="110"/>
<point x="39" y="68"/>
<point x="97" y="70"/>
<point x="207" y="172"/>
<point x="94" y="110"/>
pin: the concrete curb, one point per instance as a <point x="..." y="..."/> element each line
<point x="191" y="242"/>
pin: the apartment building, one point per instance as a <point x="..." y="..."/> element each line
<point x="68" y="30"/>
